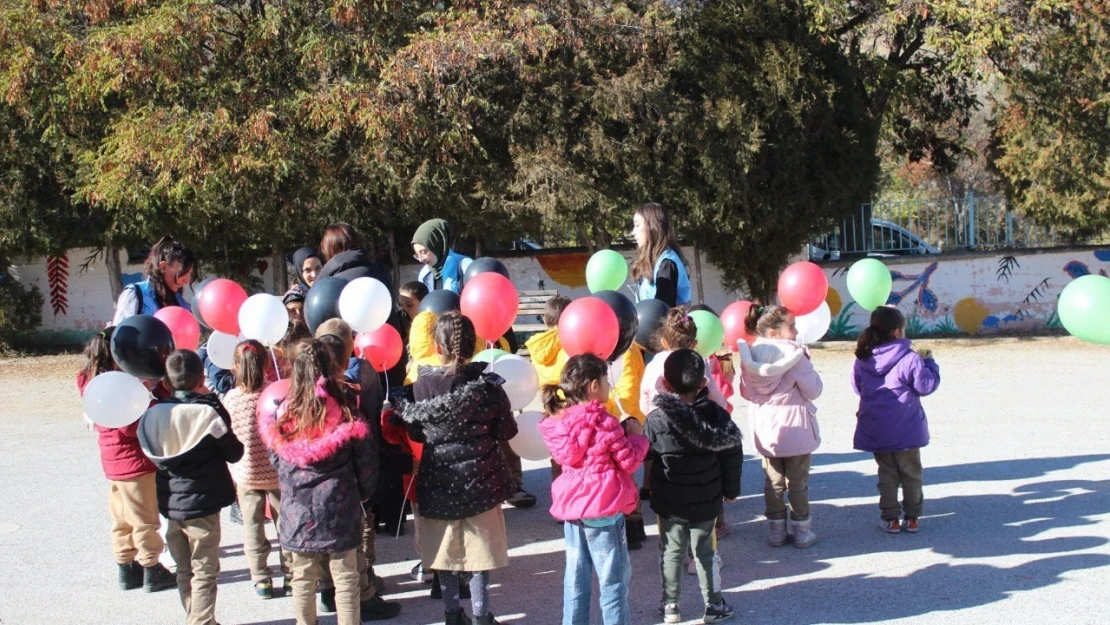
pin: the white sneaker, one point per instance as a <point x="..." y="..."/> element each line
<point x="418" y="574"/>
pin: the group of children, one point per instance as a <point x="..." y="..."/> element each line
<point x="311" y="464"/>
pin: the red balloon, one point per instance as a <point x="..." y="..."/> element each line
<point x="589" y="326"/>
<point x="381" y="348"/>
<point x="802" y="288"/>
<point x="271" y="397"/>
<point x="490" y="301"/>
<point x="219" y="305"/>
<point x="183" y="326"/>
<point x="733" y="319"/>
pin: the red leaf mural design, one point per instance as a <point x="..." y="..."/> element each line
<point x="263" y="265"/>
<point x="57" y="274"/>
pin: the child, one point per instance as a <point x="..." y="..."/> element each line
<point x="779" y="380"/>
<point x="410" y="295"/>
<point x="890" y="379"/>
<point x="595" y="489"/>
<point x="326" y="469"/>
<point x="716" y="368"/>
<point x="132" y="498"/>
<point x="189" y="438"/>
<point x="698" y="456"/>
<point x="256" y="481"/>
<point x="460" y="414"/>
<point x="545" y="349"/>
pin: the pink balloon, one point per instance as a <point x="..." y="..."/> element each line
<point x="183" y="326"/>
<point x="271" y="397"/>
<point x="382" y="348"/>
<point x="802" y="288"/>
<point x="732" y="318"/>
<point x="589" y="326"/>
<point x="219" y="304"/>
<point x="491" y="302"/>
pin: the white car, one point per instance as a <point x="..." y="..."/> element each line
<point x="887" y="239"/>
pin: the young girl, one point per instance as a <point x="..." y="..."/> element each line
<point x="890" y="379"/>
<point x="678" y="332"/>
<point x="326" y="469"/>
<point x="659" y="268"/>
<point x="132" y="497"/>
<point x="595" y="489"/>
<point x="461" y="414"/>
<point x="256" y="480"/>
<point x="779" y="380"/>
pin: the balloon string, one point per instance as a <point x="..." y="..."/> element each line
<point x="386" y="376"/>
<point x="277" y="369"/>
<point x="405" y="498"/>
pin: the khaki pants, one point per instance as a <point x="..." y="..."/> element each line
<point x="515" y="466"/>
<point x="790" y="475"/>
<point x="133" y="506"/>
<point x="366" y="589"/>
<point x="342" y="567"/>
<point x="255" y="544"/>
<point x="195" y="547"/>
<point x="900" y="468"/>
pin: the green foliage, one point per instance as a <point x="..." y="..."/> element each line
<point x="20" y="312"/>
<point x="945" y="326"/>
<point x="842" y="327"/>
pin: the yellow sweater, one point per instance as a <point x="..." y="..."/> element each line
<point x="548" y="357"/>
<point x="422" y="344"/>
<point x="625" y="396"/>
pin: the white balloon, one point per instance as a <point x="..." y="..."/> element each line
<point x="114" y="399"/>
<point x="263" y="318"/>
<point x="365" y="303"/>
<point x="221" y="349"/>
<point x="521" y="380"/>
<point x="813" y="326"/>
<point x="528" y="442"/>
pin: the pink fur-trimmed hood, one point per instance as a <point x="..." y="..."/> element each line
<point x="306" y="451"/>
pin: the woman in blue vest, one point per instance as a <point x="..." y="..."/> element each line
<point x="443" y="267"/>
<point x="169" y="267"/>
<point x="659" y="267"/>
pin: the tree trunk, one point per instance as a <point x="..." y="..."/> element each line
<point x="394" y="257"/>
<point x="697" y="274"/>
<point x="280" y="275"/>
<point x="115" y="273"/>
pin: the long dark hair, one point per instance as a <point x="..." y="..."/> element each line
<point x="762" y="319"/>
<point x="660" y="236"/>
<point x="885" y="321"/>
<point x="574" y="382"/>
<point x="456" y="338"/>
<point x="98" y="355"/>
<point x="307" y="411"/>
<point x="172" y="251"/>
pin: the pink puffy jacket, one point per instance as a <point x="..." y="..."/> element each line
<point x="779" y="380"/>
<point x="597" y="458"/>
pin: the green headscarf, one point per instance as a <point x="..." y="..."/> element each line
<point x="438" y="236"/>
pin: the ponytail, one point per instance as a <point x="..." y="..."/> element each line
<point x="574" y="383"/>
<point x="554" y="401"/>
<point x="762" y="319"/>
<point x="678" y="330"/>
<point x="455" y="337"/>
<point x="885" y="322"/>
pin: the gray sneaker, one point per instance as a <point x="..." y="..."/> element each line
<point x="717" y="612"/>
<point x="669" y="612"/>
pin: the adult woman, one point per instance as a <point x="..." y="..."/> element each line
<point x="307" y="265"/>
<point x="169" y="267"/>
<point x="443" y="267"/>
<point x="659" y="267"/>
<point x="344" y="257"/>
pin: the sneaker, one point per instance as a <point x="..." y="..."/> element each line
<point x="891" y="527"/>
<point x="264" y="589"/>
<point x="717" y="612"/>
<point x="455" y="618"/>
<point x="522" y="499"/>
<point x="236" y="514"/>
<point x="485" y="620"/>
<point x="378" y="609"/>
<point x="670" y="614"/>
<point x="418" y="574"/>
<point x="158" y="577"/>
<point x="327" y="600"/>
<point x="130" y="576"/>
<point x="911" y="525"/>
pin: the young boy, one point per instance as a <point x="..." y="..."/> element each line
<point x="189" y="439"/>
<point x="698" y="453"/>
<point x="410" y="295"/>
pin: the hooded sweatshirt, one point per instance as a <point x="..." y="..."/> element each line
<point x="546" y="351"/>
<point x="891" y="384"/>
<point x="779" y="380"/>
<point x="652" y="384"/>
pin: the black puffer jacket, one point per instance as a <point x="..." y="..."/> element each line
<point x="356" y="263"/>
<point x="460" y="419"/>
<point x="698" y="453"/>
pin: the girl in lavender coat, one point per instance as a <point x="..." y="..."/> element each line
<point x="890" y="379"/>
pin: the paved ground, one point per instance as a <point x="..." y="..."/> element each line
<point x="1016" y="530"/>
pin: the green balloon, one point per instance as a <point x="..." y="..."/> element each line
<point x="606" y="271"/>
<point x="869" y="283"/>
<point x="711" y="332"/>
<point x="489" y="355"/>
<point x="1084" y="308"/>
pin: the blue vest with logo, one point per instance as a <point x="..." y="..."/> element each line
<point x="647" y="288"/>
<point x="148" y="304"/>
<point x="454" y="267"/>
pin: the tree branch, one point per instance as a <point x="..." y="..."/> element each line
<point x="851" y="24"/>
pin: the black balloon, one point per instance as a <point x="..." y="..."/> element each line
<point x="626" y="316"/>
<point x="651" y="314"/>
<point x="322" y="301"/>
<point x="140" y="346"/>
<point x="482" y="265"/>
<point x="196" y="298"/>
<point x="440" y="301"/>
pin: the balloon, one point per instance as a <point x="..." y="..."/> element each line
<point x="484" y="265"/>
<point x="140" y="346"/>
<point x="528" y="442"/>
<point x="521" y="381"/>
<point x="322" y="301"/>
<point x="732" y="319"/>
<point x="440" y="301"/>
<point x="219" y="305"/>
<point x="271" y="397"/>
<point x="114" y="399"/>
<point x="1084" y="308"/>
<point x="183" y="326"/>
<point x="196" y="301"/>
<point x="489" y="355"/>
<point x="264" y="318"/>
<point x="365" y="303"/>
<point x="625" y="311"/>
<point x="382" y="348"/>
<point x="869" y="283"/>
<point x="711" y="333"/>
<point x="606" y="271"/>
<point x="491" y="302"/>
<point x="589" y="326"/>
<point x="221" y="349"/>
<point x="650" y="313"/>
<point x="802" y="288"/>
<point x="813" y="326"/>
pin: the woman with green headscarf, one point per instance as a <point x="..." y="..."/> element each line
<point x="443" y="267"/>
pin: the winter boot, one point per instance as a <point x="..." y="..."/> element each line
<point x="803" y="535"/>
<point x="327" y="600"/>
<point x="778" y="533"/>
<point x="157" y="578"/>
<point x="485" y="620"/>
<point x="634" y="532"/>
<point x="455" y="618"/>
<point x="130" y="576"/>
<point x="377" y="609"/>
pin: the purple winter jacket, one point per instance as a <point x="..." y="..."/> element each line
<point x="890" y="386"/>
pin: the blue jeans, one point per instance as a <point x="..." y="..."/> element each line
<point x="601" y="549"/>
